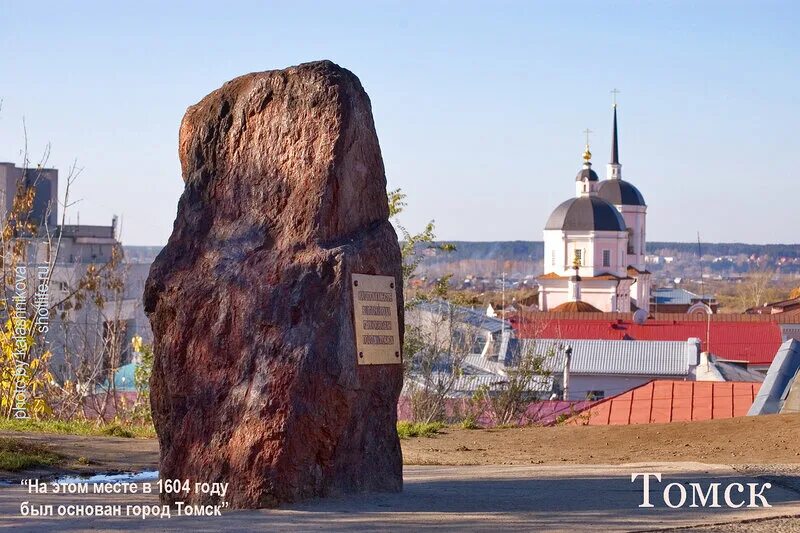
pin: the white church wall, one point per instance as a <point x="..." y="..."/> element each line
<point x="635" y="217"/>
<point x="552" y="297"/>
<point x="601" y="298"/>
<point x="559" y="252"/>
<point x="554" y="251"/>
<point x="640" y="291"/>
<point x="614" y="243"/>
<point x="600" y="293"/>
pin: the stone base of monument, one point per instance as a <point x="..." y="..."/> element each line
<point x="256" y="380"/>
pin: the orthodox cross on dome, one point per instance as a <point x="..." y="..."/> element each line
<point x="614" y="93"/>
<point x="587" y="155"/>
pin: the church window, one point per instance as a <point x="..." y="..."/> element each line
<point x="606" y="258"/>
<point x="579" y="256"/>
<point x="630" y="241"/>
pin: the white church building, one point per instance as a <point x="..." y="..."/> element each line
<point x="594" y="244"/>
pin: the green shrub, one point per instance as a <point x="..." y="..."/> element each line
<point x="117" y="431"/>
<point x="469" y="423"/>
<point x="418" y="429"/>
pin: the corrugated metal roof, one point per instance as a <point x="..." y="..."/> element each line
<point x="124" y="380"/>
<point x="465" y="314"/>
<point x="755" y="342"/>
<point x="480" y="363"/>
<point x="676" y="296"/>
<point x="466" y="384"/>
<point x="662" y="401"/>
<point x="779" y="318"/>
<point x="648" y="358"/>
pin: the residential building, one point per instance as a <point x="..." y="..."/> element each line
<point x="82" y="329"/>
<point x="677" y="300"/>
<point x="43" y="180"/>
<point x="734" y="338"/>
<point x="601" y="368"/>
<point x="476" y="333"/>
<point x="86" y="326"/>
<point x="791" y="306"/>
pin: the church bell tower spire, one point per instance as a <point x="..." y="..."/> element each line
<point x="614" y="169"/>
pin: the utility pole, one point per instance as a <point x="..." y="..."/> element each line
<point x="567" y="361"/>
<point x="503" y="304"/>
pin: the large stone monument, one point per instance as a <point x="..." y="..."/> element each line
<point x="259" y="379"/>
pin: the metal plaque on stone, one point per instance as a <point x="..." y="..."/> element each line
<point x="376" y="322"/>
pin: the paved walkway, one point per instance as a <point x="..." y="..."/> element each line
<point x="553" y="498"/>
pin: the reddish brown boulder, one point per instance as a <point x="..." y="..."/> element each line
<point x="255" y="380"/>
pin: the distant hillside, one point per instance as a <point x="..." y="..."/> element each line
<point x="728" y="248"/>
<point x="670" y="259"/>
<point x="534" y="250"/>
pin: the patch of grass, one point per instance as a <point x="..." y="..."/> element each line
<point x="406" y="430"/>
<point x="469" y="423"/>
<point x="17" y="455"/>
<point x="78" y="427"/>
<point x="115" y="430"/>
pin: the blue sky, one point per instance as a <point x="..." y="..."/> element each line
<point x="479" y="106"/>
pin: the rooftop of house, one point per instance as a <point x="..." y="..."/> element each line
<point x="472" y="377"/>
<point x="662" y="401"/>
<point x="124" y="380"/>
<point x="615" y="357"/>
<point x="783" y="306"/>
<point x="750" y="341"/>
<point x="472" y="317"/>
<point x="660" y="316"/>
<point x="677" y="296"/>
<point x="72" y="230"/>
<point x="736" y="371"/>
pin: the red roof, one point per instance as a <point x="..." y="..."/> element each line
<point x="661" y="401"/>
<point x="754" y="342"/>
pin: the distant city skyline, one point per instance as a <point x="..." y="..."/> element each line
<point x="480" y="107"/>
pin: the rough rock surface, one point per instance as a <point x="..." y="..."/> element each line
<point x="255" y="380"/>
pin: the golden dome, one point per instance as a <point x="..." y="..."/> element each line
<point x="575" y="307"/>
<point x="587" y="155"/>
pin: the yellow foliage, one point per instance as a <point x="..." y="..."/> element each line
<point x="136" y="343"/>
<point x="17" y="367"/>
